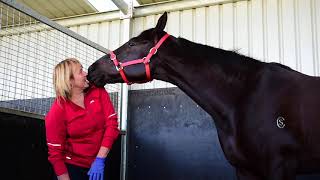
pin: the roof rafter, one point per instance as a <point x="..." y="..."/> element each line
<point x="122" y="5"/>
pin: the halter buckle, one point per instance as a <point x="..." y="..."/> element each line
<point x="152" y="49"/>
<point x="119" y="67"/>
<point x="145" y="61"/>
<point x="113" y="56"/>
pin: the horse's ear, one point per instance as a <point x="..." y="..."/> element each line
<point x="162" y="22"/>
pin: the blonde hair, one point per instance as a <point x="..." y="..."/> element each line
<point x="63" y="73"/>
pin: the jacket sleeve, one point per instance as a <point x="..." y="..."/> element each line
<point x="56" y="135"/>
<point x="111" y="120"/>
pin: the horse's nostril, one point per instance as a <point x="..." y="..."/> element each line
<point x="89" y="76"/>
<point x="89" y="69"/>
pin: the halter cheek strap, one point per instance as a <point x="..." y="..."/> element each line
<point x="145" y="60"/>
<point x="119" y="67"/>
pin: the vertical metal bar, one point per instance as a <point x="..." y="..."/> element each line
<point x="25" y="66"/>
<point x="1" y="7"/>
<point x="16" y="68"/>
<point x="1" y="16"/>
<point x="124" y="108"/>
<point x="6" y="58"/>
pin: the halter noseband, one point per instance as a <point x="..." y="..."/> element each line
<point x="145" y="60"/>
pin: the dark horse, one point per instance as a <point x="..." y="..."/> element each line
<point x="266" y="114"/>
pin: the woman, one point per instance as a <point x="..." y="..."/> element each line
<point x="81" y="126"/>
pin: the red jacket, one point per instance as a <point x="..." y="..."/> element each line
<point x="75" y="135"/>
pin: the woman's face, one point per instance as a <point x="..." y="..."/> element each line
<point x="79" y="77"/>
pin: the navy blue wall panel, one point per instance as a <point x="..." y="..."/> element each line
<point x="171" y="138"/>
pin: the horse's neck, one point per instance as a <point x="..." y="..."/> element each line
<point x="210" y="76"/>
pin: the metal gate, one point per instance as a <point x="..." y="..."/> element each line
<point x="30" y="46"/>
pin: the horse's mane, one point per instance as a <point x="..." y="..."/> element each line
<point x="205" y="50"/>
<point x="230" y="57"/>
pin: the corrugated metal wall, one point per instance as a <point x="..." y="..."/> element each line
<point x="285" y="31"/>
<point x="107" y="34"/>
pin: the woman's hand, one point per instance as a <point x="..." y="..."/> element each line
<point x="96" y="171"/>
<point x="64" y="176"/>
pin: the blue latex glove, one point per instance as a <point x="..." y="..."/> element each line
<point x="96" y="171"/>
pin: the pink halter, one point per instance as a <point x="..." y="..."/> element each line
<point x="145" y="60"/>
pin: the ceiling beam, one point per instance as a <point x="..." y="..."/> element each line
<point x="140" y="2"/>
<point x="122" y="5"/>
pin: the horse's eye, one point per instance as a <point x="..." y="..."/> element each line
<point x="131" y="44"/>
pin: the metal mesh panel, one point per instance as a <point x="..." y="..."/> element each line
<point x="29" y="50"/>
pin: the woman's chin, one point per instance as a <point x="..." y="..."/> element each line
<point x="86" y="85"/>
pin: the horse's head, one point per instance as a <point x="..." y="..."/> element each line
<point x="130" y="61"/>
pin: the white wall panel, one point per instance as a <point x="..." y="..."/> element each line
<point x="93" y="32"/>
<point x="227" y="26"/>
<point x="271" y="31"/>
<point x="186" y="24"/>
<point x="213" y="26"/>
<point x="316" y="7"/>
<point x="172" y="26"/>
<point x="288" y="49"/>
<point x="114" y="35"/>
<point x="150" y="22"/>
<point x="199" y="25"/>
<point x="241" y="40"/>
<point x="103" y="34"/>
<point x="257" y="42"/>
<point x="305" y="36"/>
<point x="138" y="26"/>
